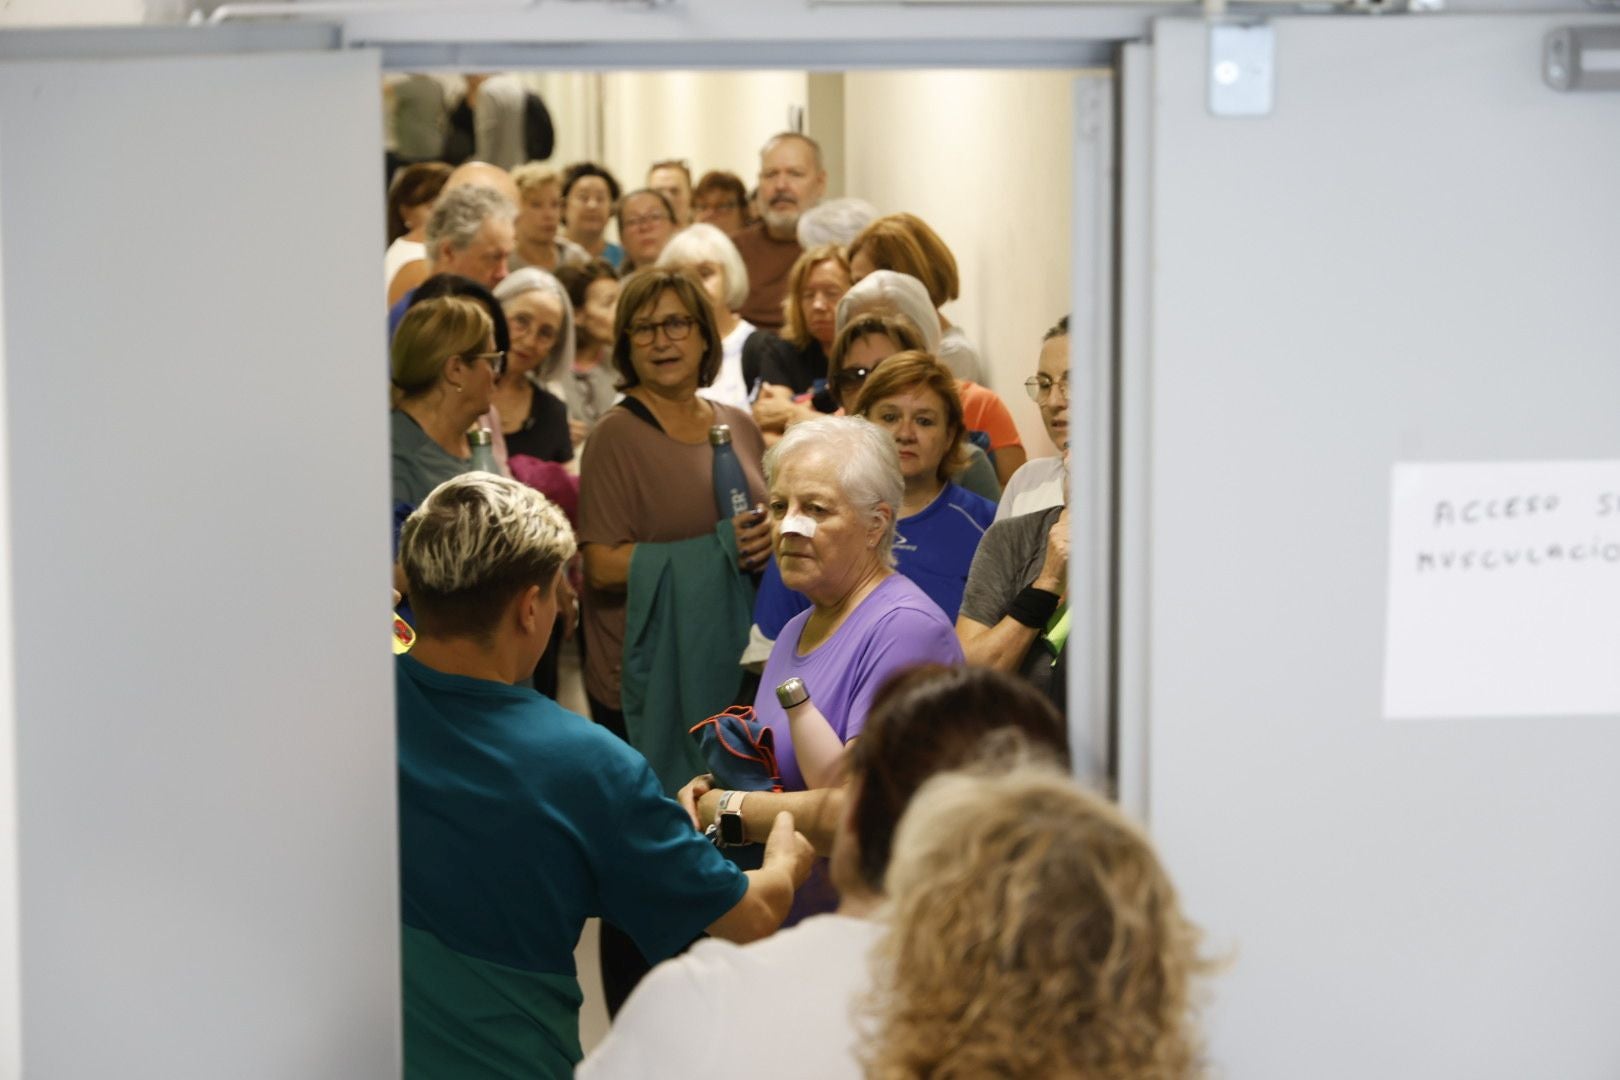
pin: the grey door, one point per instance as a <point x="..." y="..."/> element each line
<point x="1415" y="257"/>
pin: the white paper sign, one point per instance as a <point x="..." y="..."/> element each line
<point x="1504" y="590"/>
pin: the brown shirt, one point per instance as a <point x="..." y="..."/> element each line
<point x="768" y="263"/>
<point x="639" y="486"/>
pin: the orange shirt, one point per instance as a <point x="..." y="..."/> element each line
<point x="984" y="411"/>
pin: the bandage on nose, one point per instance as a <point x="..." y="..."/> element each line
<point x="798" y="525"/>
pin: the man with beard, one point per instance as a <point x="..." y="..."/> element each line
<point x="791" y="181"/>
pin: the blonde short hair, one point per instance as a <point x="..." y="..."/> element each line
<point x="477" y="541"/>
<point x="432" y="332"/>
<point x="1034" y="933"/>
<point x="534" y="175"/>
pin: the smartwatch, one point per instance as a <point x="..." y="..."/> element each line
<point x="792" y="693"/>
<point x="730" y="820"/>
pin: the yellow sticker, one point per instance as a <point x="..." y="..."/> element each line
<point x="404" y="636"/>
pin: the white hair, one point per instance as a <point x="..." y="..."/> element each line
<point x="458" y="215"/>
<point x="534" y="279"/>
<point x="889" y="292"/>
<point x="703" y="243"/>
<point x="836" y="222"/>
<point x="866" y="461"/>
<point x="478" y="530"/>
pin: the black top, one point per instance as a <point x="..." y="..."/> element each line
<point x="767" y="358"/>
<point x="544" y="433"/>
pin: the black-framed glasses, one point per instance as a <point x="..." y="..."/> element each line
<point x="1040" y="388"/>
<point x="675" y="328"/>
<point x="497" y="360"/>
<point x="851" y="378"/>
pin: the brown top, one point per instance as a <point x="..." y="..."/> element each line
<point x="768" y="263"/>
<point x="639" y="486"/>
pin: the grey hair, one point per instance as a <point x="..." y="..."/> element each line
<point x="867" y="461"/>
<point x="703" y="243"/>
<point x="479" y="533"/>
<point x="534" y="279"/>
<point x="836" y="221"/>
<point x="889" y="292"/>
<point x="460" y="213"/>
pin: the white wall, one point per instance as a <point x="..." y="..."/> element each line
<point x="194" y="469"/>
<point x="985" y="157"/>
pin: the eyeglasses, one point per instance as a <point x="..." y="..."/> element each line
<point x="643" y="219"/>
<point x="851" y="378"/>
<point x="1040" y="388"/>
<point x="716" y="207"/>
<point x="526" y="324"/>
<point x="497" y="360"/>
<point x="675" y="328"/>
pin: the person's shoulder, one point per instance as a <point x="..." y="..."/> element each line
<point x="904" y="608"/>
<point x="974" y="505"/>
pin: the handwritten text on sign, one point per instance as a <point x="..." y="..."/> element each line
<point x="1504" y="590"/>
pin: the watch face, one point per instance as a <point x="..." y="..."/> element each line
<point x="731" y="829"/>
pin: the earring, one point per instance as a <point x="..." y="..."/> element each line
<point x="457" y="386"/>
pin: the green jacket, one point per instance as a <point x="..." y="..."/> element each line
<point x="687" y="614"/>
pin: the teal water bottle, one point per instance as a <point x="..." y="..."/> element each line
<point x="483" y="450"/>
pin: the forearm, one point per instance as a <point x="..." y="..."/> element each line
<point x="1001" y="647"/>
<point x="815" y="813"/>
<point x="762" y="908"/>
<point x="607" y="567"/>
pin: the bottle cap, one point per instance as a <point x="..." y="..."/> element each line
<point x="478" y="436"/>
<point x="720" y="435"/>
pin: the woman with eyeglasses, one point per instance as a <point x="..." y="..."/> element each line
<point x="650" y="532"/>
<point x="1041" y="483"/>
<point x="444" y="365"/>
<point x="540" y="321"/>
<point x="721" y="199"/>
<point x="646" y="222"/>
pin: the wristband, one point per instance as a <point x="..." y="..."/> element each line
<point x="1033" y="607"/>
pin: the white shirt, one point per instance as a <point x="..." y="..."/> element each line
<point x="1037" y="485"/>
<point x="399" y="254"/>
<point x="728" y="387"/>
<point x="783" y="1007"/>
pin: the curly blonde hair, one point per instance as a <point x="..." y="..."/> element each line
<point x="1034" y="934"/>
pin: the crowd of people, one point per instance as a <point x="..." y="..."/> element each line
<point x="739" y="458"/>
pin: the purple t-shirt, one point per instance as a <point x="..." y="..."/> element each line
<point x="895" y="627"/>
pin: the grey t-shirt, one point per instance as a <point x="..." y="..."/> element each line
<point x="1009" y="560"/>
<point x="419" y="464"/>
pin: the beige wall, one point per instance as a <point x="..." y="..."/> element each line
<point x="985" y="157"/>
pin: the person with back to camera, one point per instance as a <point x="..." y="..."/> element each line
<point x="1015" y="615"/>
<point x="1043" y="482"/>
<point x="701" y="1008"/>
<point x="713" y="257"/>
<point x="1033" y="933"/>
<point x="518" y="820"/>
<point x="787" y="371"/>
<point x="589" y="194"/>
<point x="590" y="385"/>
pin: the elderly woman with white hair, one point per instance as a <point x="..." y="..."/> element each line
<point x="540" y="321"/>
<point x="710" y="252"/>
<point x="835" y="492"/>
<point x="835" y="221"/>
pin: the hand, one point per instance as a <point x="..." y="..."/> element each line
<point x="1054" y="573"/>
<point x="577" y="430"/>
<point x="689" y="795"/>
<point x="753" y="529"/>
<point x="774" y="407"/>
<point x="787" y="848"/>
